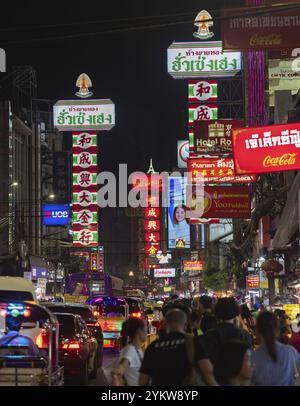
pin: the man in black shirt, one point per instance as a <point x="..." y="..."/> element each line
<point x="166" y="360"/>
<point x="227" y="312"/>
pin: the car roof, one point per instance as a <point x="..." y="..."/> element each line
<point x="56" y="304"/>
<point x="75" y="316"/>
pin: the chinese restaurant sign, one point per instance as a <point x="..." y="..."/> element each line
<point x="82" y="115"/>
<point x="275" y="30"/>
<point x="227" y="202"/>
<point x="252" y="282"/>
<point x="214" y="170"/>
<point x="188" y="60"/>
<point x="85" y="210"/>
<point x="266" y="149"/>
<point x="214" y="136"/>
<point x="202" y="91"/>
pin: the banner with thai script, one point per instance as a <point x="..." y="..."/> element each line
<point x="82" y="115"/>
<point x="202" y="112"/>
<point x="266" y="149"/>
<point x="252" y="282"/>
<point x="202" y="91"/>
<point x="227" y="202"/>
<point x="214" y="137"/>
<point x="193" y="265"/>
<point x="275" y="30"/>
<point x="188" y="60"/>
<point x="214" y="170"/>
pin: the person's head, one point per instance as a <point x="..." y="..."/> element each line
<point x="233" y="363"/>
<point x="176" y="321"/>
<point x="268" y="329"/>
<point x="227" y="309"/>
<point x="133" y="329"/>
<point x="13" y="323"/>
<point x="179" y="214"/>
<point x="206" y="302"/>
<point x="208" y="322"/>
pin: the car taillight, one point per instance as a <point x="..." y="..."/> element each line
<point x="137" y="315"/>
<point x="73" y="345"/>
<point x="96" y="313"/>
<point x="42" y="339"/>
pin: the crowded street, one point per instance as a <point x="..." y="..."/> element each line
<point x="149" y="200"/>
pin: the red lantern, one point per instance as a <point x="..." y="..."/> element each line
<point x="271" y="266"/>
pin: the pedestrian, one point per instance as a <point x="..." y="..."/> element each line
<point x="170" y="360"/>
<point x="233" y="364"/>
<point x="207" y="304"/>
<point x="134" y="334"/>
<point x="208" y="322"/>
<point x="295" y="339"/>
<point x="196" y="320"/>
<point x="275" y="364"/>
<point x="227" y="312"/>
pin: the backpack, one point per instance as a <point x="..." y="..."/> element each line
<point x="193" y="377"/>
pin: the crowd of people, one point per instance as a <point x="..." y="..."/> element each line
<point x="203" y="343"/>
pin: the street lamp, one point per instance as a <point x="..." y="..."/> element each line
<point x="130" y="273"/>
<point x="52" y="196"/>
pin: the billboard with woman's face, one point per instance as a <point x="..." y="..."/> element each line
<point x="178" y="223"/>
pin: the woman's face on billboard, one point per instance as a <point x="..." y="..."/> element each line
<point x="180" y="214"/>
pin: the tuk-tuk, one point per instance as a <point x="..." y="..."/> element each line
<point x="111" y="312"/>
<point x="18" y="367"/>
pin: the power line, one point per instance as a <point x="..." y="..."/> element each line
<point x="273" y="9"/>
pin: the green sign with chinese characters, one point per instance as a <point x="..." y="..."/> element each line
<point x="84" y="115"/>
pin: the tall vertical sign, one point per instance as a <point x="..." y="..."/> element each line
<point x="84" y="118"/>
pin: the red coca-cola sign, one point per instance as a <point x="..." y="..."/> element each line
<point x="266" y="149"/>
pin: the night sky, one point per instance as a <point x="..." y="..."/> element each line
<point x="129" y="67"/>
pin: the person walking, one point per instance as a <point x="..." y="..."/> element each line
<point x="227" y="312"/>
<point x="233" y="364"/>
<point x="134" y="334"/>
<point x="275" y="364"/>
<point x="170" y="360"/>
<point x="295" y="339"/>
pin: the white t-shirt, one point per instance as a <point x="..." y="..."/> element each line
<point x="131" y="374"/>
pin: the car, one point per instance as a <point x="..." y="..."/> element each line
<point x="88" y="315"/>
<point x="17" y="288"/>
<point x="77" y="349"/>
<point x="136" y="307"/>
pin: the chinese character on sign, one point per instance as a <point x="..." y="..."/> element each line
<point x="85" y="140"/>
<point x="85" y="159"/>
<point x="201" y="89"/>
<point x="152" y="225"/>
<point x="152" y="212"/>
<point x="203" y="113"/>
<point x="152" y="237"/>
<point x="85" y="236"/>
<point x="85" y="179"/>
<point x="85" y="198"/>
<point x="152" y="249"/>
<point x="84" y="217"/>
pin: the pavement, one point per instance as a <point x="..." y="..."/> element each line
<point x="110" y="361"/>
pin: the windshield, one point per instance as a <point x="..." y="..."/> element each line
<point x="133" y="306"/>
<point x="66" y="325"/>
<point x="15" y="295"/>
<point x="111" y="311"/>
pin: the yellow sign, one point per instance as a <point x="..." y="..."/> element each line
<point x="75" y="299"/>
<point x="291" y="310"/>
<point x="168" y="289"/>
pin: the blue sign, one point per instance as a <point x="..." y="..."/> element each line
<point x="56" y="214"/>
<point x="38" y="272"/>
